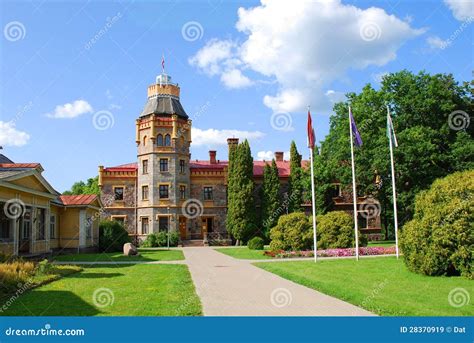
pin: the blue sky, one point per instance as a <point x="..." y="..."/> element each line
<point x="252" y="70"/>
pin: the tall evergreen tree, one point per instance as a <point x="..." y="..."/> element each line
<point x="270" y="198"/>
<point x="241" y="207"/>
<point x="295" y="186"/>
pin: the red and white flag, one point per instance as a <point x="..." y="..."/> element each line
<point x="310" y="129"/>
<point x="163" y="63"/>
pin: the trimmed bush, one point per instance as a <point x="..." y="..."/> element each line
<point x="112" y="236"/>
<point x="440" y="238"/>
<point x="293" y="232"/>
<point x="256" y="243"/>
<point x="336" y="231"/>
<point x="150" y="241"/>
<point x="160" y="239"/>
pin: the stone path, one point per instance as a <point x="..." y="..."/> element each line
<point x="231" y="287"/>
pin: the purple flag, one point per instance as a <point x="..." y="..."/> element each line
<point x="357" y="138"/>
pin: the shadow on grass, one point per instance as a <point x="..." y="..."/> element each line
<point x="94" y="275"/>
<point x="50" y="303"/>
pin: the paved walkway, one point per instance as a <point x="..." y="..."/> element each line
<point x="231" y="287"/>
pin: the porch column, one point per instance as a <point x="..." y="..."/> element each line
<point x="14" y="223"/>
<point x="34" y="223"/>
<point x="47" y="223"/>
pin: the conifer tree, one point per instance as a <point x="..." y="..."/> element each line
<point x="295" y="187"/>
<point x="270" y="197"/>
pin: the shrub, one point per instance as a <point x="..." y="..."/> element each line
<point x="335" y="230"/>
<point x="112" y="236"/>
<point x="292" y="232"/>
<point x="150" y="241"/>
<point x="15" y="273"/>
<point x="160" y="239"/>
<point x="44" y="267"/>
<point x="440" y="238"/>
<point x="256" y="243"/>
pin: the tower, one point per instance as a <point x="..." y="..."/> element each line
<point x="163" y="137"/>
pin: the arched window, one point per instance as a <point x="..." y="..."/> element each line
<point x="144" y="140"/>
<point x="159" y="140"/>
<point x="167" y="140"/>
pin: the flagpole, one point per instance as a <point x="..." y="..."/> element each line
<point x="394" y="192"/>
<point x="356" y="224"/>
<point x="313" y="200"/>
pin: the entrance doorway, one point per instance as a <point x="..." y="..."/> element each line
<point x="182" y="228"/>
<point x="207" y="225"/>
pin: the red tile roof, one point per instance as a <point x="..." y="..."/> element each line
<point x="84" y="199"/>
<point x="19" y="165"/>
<point x="258" y="166"/>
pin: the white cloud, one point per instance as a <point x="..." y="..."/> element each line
<point x="10" y="136"/>
<point x="378" y="77"/>
<point x="270" y="155"/>
<point x="304" y="46"/>
<point x="462" y="9"/>
<point x="219" y="137"/>
<point x="71" y="110"/>
<point x="235" y="79"/>
<point x="435" y="42"/>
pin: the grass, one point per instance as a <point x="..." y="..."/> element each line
<point x="381" y="244"/>
<point x="145" y="255"/>
<point x="126" y="290"/>
<point x="381" y="285"/>
<point x="244" y="253"/>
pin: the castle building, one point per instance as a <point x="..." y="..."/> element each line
<point x="165" y="189"/>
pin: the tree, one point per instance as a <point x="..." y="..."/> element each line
<point x="295" y="184"/>
<point x="428" y="147"/>
<point x="240" y="220"/>
<point x="91" y="187"/>
<point x="270" y="197"/>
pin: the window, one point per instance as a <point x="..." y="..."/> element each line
<point x="52" y="226"/>
<point x="207" y="193"/>
<point x="118" y="193"/>
<point x="163" y="223"/>
<point x="362" y="219"/>
<point x="144" y="192"/>
<point x="182" y="192"/>
<point x="145" y="166"/>
<point x="40" y="223"/>
<point x="144" y="140"/>
<point x="167" y="140"/>
<point x="27" y="223"/>
<point x="120" y="220"/>
<point x="159" y="140"/>
<point x="89" y="224"/>
<point x="145" y="225"/>
<point x="163" y="164"/>
<point x="4" y="226"/>
<point x="164" y="190"/>
<point x="181" y="166"/>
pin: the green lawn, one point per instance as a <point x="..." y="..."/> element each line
<point x="381" y="285"/>
<point x="145" y="255"/>
<point x="381" y="244"/>
<point x="136" y="290"/>
<point x="244" y="253"/>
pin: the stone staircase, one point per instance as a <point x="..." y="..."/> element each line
<point x="193" y="243"/>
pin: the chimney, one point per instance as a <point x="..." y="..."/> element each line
<point x="212" y="156"/>
<point x="278" y="156"/>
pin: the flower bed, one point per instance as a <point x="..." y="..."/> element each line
<point x="364" y="251"/>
